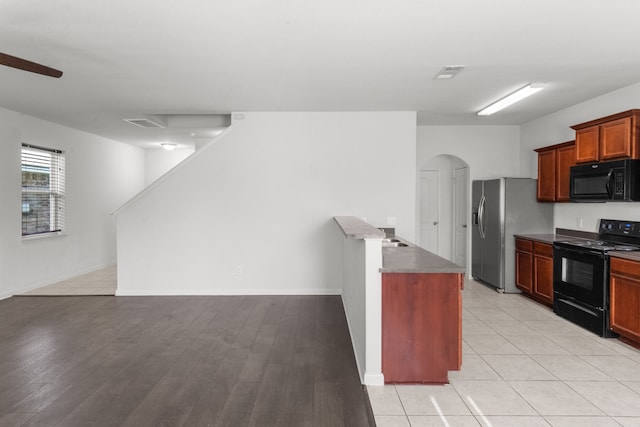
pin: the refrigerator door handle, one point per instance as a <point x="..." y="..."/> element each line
<point x="481" y="217"/>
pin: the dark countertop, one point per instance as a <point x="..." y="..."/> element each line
<point x="355" y="228"/>
<point x="560" y="234"/>
<point x="414" y="259"/>
<point x="543" y="238"/>
<point x="632" y="256"/>
<point x="402" y="259"/>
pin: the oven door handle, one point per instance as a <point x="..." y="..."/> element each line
<point x="579" y="252"/>
<point x="608" y="185"/>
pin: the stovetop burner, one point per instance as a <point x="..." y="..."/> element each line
<point x="599" y="245"/>
<point x="614" y="236"/>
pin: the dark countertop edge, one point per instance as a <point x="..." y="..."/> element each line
<point x="411" y="259"/>
<point x="560" y="234"/>
<point x="425" y="270"/>
<point x="631" y="256"/>
<point x="414" y="259"/>
<point x="355" y="228"/>
<point x="542" y="238"/>
<point x="577" y="233"/>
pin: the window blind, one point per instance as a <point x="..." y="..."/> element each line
<point x="43" y="184"/>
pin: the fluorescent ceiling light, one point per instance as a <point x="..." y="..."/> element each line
<point x="516" y="96"/>
<point x="168" y="146"/>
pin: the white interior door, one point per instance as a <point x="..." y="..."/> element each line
<point x="429" y="209"/>
<point x="460" y="213"/>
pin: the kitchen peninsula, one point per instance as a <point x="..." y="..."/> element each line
<point x="403" y="306"/>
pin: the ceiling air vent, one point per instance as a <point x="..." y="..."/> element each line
<point x="144" y="123"/>
<point x="448" y="72"/>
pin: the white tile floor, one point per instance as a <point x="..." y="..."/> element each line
<point x="99" y="282"/>
<point x="521" y="366"/>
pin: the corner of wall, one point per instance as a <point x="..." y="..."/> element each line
<point x="179" y="166"/>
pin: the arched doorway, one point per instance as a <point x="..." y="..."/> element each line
<point x="444" y="207"/>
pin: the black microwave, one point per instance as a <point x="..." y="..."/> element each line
<point x="615" y="181"/>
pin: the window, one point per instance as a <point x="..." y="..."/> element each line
<point x="42" y="190"/>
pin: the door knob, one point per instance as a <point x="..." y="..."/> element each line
<point x="435" y="222"/>
<point x="464" y="225"/>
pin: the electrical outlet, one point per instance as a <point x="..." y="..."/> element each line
<point x="239" y="270"/>
<point x="391" y="220"/>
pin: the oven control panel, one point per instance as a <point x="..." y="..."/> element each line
<point x="620" y="228"/>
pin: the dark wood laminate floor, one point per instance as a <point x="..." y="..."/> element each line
<point x="178" y="361"/>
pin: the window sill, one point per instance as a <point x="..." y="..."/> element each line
<point x="43" y="235"/>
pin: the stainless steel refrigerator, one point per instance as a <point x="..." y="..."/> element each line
<point x="501" y="208"/>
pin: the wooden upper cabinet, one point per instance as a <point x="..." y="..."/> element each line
<point x="608" y="138"/>
<point x="615" y="139"/>
<point x="588" y="144"/>
<point x="554" y="163"/>
<point x="547" y="176"/>
<point x="565" y="158"/>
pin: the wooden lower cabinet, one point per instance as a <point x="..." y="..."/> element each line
<point x="421" y="327"/>
<point x="625" y="298"/>
<point x="524" y="265"/>
<point x="543" y="272"/>
<point x="534" y="270"/>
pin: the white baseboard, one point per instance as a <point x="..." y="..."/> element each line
<point x="374" y="379"/>
<point x="224" y="292"/>
<point x="353" y="344"/>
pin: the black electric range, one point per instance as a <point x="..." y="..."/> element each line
<point x="581" y="274"/>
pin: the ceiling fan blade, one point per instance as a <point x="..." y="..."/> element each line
<point x="23" y="64"/>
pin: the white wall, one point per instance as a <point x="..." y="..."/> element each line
<point x="158" y="161"/>
<point x="100" y="175"/>
<point x="252" y="212"/>
<point x="555" y="128"/>
<point x="489" y="151"/>
<point x="362" y="299"/>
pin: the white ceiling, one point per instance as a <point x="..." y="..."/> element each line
<point x="133" y="58"/>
